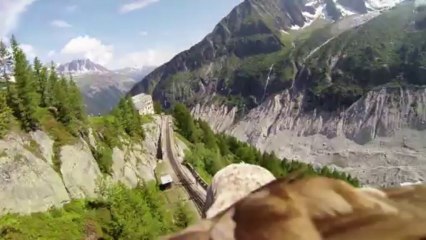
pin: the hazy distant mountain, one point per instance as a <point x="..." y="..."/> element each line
<point x="102" y="88"/>
<point x="135" y="73"/>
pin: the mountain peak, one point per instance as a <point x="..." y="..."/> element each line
<point x="82" y="66"/>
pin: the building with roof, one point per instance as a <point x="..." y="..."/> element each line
<point x="166" y="182"/>
<point x="143" y="103"/>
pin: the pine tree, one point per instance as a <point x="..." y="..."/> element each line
<point x="40" y="76"/>
<point x="158" y="109"/>
<point x="208" y="137"/>
<point x="51" y="83"/>
<point x="75" y="101"/>
<point x="43" y="86"/>
<point x="25" y="89"/>
<point x="60" y="93"/>
<point x="5" y="61"/>
<point x="5" y="114"/>
<point x="6" y="64"/>
<point x="184" y="122"/>
<point x="137" y="123"/>
<point x="128" y="118"/>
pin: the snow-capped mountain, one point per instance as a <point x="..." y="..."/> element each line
<point x="334" y="10"/>
<point x="82" y="66"/>
<point x="102" y="88"/>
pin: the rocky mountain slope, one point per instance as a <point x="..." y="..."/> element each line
<point x="348" y="93"/>
<point x="233" y="61"/>
<point x="102" y="88"/>
<point x="31" y="182"/>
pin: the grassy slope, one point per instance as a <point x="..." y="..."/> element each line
<point x="142" y="213"/>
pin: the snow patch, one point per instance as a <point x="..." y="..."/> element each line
<point x="284" y="31"/>
<point x="345" y="12"/>
<point x="381" y="4"/>
<point x="310" y="18"/>
<point x="321" y="12"/>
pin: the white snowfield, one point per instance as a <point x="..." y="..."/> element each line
<point x="321" y="12"/>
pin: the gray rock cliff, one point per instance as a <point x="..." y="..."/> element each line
<point x="29" y="182"/>
<point x="381" y="138"/>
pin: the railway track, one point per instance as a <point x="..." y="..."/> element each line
<point x="196" y="189"/>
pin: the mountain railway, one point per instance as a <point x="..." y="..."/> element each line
<point x="197" y="190"/>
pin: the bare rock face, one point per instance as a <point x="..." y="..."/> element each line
<point x="220" y="118"/>
<point x="27" y="182"/>
<point x="45" y="143"/>
<point x="80" y="171"/>
<point x="137" y="162"/>
<point x="233" y="183"/>
<point x="122" y="170"/>
<point x="381" y="138"/>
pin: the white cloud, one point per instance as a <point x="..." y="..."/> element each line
<point x="150" y="57"/>
<point x="60" y="24"/>
<point x="9" y="14"/>
<point x="29" y="51"/>
<point x="88" y="47"/>
<point x="135" y="5"/>
<point x="143" y="33"/>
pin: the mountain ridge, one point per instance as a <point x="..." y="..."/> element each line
<point x="252" y="29"/>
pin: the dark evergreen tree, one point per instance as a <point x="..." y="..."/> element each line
<point x="5" y="61"/>
<point x="128" y="118"/>
<point x="51" y="83"/>
<point x="184" y="122"/>
<point x="208" y="136"/>
<point x="75" y="100"/>
<point x="5" y="114"/>
<point x="27" y="96"/>
<point x="43" y="86"/>
<point x="158" y="109"/>
<point x="40" y="76"/>
<point x="61" y="93"/>
<point x="6" y="65"/>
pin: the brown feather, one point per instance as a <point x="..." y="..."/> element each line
<point x="319" y="208"/>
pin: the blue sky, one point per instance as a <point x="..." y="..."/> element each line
<point x="115" y="33"/>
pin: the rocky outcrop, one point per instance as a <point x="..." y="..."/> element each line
<point x="30" y="183"/>
<point x="45" y="144"/>
<point x="233" y="183"/>
<point x="381" y="138"/>
<point x="27" y="181"/>
<point x="79" y="170"/>
<point x="122" y="170"/>
<point x="220" y="118"/>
